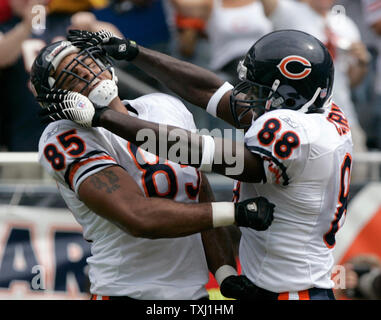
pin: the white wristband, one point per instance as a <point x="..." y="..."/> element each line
<point x="223" y="272"/>
<point x="223" y="214"/>
<point x="208" y="147"/>
<point x="216" y="97"/>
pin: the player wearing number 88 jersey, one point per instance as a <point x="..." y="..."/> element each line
<point x="307" y="176"/>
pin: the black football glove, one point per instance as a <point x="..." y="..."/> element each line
<point x="237" y="287"/>
<point x="255" y="213"/>
<point x="119" y="49"/>
<point x="61" y="104"/>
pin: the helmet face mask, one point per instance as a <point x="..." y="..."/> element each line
<point x="248" y="96"/>
<point x="285" y="69"/>
<point x="93" y="53"/>
<point x="51" y="57"/>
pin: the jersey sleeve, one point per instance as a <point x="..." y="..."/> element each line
<point x="70" y="153"/>
<point x="280" y="140"/>
<point x="187" y="116"/>
<point x="178" y="112"/>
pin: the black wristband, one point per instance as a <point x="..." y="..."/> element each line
<point x="97" y="116"/>
<point x="239" y="214"/>
<point x="133" y="50"/>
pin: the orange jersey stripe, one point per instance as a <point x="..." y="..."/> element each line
<point x="304" y="295"/>
<point x="283" y="296"/>
<point x="82" y="163"/>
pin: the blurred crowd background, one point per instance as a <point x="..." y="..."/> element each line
<point x="211" y="33"/>
<point x="214" y="34"/>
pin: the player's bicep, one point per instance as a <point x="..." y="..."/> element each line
<point x="238" y="163"/>
<point x="252" y="170"/>
<point x="112" y="193"/>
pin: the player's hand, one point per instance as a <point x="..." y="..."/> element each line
<point x="119" y="49"/>
<point x="84" y="38"/>
<point x="63" y="104"/>
<point x="255" y="213"/>
<point x="237" y="287"/>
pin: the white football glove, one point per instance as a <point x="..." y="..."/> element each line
<point x="63" y="104"/>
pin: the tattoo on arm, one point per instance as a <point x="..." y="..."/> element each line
<point x="105" y="180"/>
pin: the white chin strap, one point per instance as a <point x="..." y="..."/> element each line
<point x="274" y="88"/>
<point x="304" y="109"/>
<point x="104" y="93"/>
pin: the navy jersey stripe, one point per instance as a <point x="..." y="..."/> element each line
<point x="86" y="156"/>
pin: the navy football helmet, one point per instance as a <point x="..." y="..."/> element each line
<point x="285" y="69"/>
<point x="51" y="56"/>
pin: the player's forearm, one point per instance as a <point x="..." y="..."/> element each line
<point x="218" y="248"/>
<point x="11" y="43"/>
<point x="217" y="242"/>
<point x="155" y="137"/>
<point x="163" y="218"/>
<point x="229" y="157"/>
<point x="191" y="82"/>
<point x="114" y="195"/>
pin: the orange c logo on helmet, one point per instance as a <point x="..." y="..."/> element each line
<point x="282" y="66"/>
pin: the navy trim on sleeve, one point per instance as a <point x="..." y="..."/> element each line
<point x="86" y="156"/>
<point x="275" y="160"/>
<point x="95" y="167"/>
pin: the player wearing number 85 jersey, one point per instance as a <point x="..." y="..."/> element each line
<point x="128" y="201"/>
<point x="120" y="264"/>
<point x="298" y="153"/>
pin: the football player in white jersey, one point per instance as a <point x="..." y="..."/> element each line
<point x="122" y="195"/>
<point x="298" y="151"/>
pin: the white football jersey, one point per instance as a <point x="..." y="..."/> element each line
<point x="120" y="264"/>
<point x="307" y="162"/>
